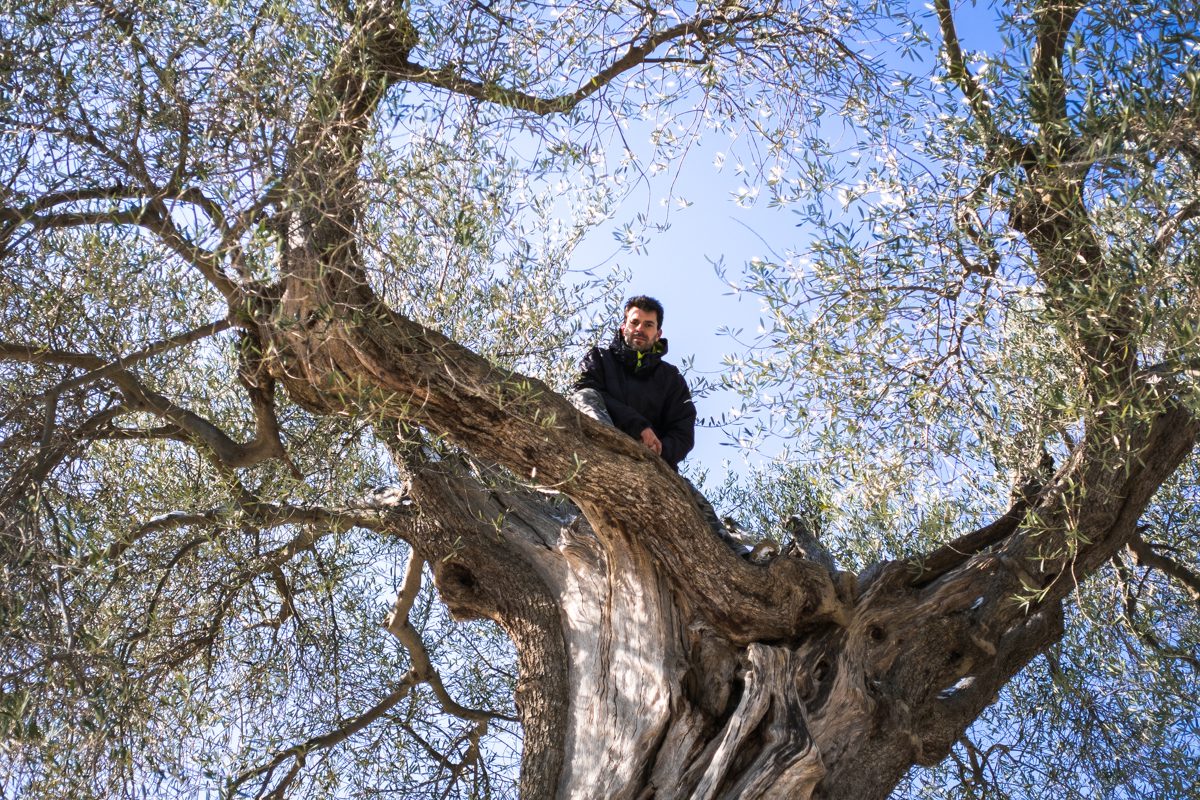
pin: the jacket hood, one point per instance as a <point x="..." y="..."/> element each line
<point x="632" y="359"/>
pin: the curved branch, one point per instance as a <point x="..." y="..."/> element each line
<point x="266" y="443"/>
<point x="1145" y="555"/>
<point x="338" y="734"/>
<point x="933" y="565"/>
<point x="207" y="262"/>
<point x="166" y="522"/>
<point x="160" y="432"/>
<point x="398" y="625"/>
<point x="635" y="55"/>
<point x="227" y="452"/>
<point x="14" y="217"/>
<point x="949" y="556"/>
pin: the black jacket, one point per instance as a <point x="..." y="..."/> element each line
<point x="643" y="391"/>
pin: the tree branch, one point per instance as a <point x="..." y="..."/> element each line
<point x="1101" y="490"/>
<point x="50" y="454"/>
<point x="397" y="618"/>
<point x="318" y="522"/>
<point x="422" y="671"/>
<point x="1145" y="555"/>
<point x="636" y="54"/>
<point x="170" y="521"/>
<point x="958" y="70"/>
<point x="1048" y="94"/>
<point x="398" y="625"/>
<point x="260" y="515"/>
<point x="152" y="216"/>
<point x="1167" y="231"/>
<point x="947" y="557"/>
<point x="157" y="348"/>
<point x="220" y="445"/>
<point x="1003" y="149"/>
<point x="338" y="734"/>
<point x="266" y="443"/>
<point x="1144" y="633"/>
<point x="14" y="217"/>
<point x="38" y="354"/>
<point x="157" y="219"/>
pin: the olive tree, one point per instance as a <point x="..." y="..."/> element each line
<point x="997" y="315"/>
<point x="286" y="299"/>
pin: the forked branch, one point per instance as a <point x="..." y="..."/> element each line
<point x="220" y="445"/>
<point x="298" y="753"/>
<point x="1144" y="554"/>
<point x="636" y="54"/>
<point x="398" y="625"/>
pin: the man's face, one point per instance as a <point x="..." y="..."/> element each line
<point x="640" y="329"/>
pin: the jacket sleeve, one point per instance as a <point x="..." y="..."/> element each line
<point x="679" y="427"/>
<point x="623" y="416"/>
<point x="591" y="372"/>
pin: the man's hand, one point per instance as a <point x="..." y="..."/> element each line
<point x="651" y="441"/>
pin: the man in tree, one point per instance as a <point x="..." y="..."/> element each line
<point x="629" y="386"/>
<point x="254" y="257"/>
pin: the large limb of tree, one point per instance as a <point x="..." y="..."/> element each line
<point x="683" y="670"/>
<point x="653" y="661"/>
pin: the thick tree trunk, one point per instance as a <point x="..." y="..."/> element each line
<point x="653" y="661"/>
<point x="638" y="695"/>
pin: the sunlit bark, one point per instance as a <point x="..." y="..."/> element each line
<point x="653" y="661"/>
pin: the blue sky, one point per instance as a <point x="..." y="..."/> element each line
<point x="677" y="267"/>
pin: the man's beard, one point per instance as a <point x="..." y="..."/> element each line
<point x="643" y="345"/>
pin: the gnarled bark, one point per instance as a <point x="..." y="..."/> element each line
<point x="653" y="661"/>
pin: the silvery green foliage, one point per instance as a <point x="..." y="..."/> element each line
<point x="152" y="645"/>
<point x="917" y="363"/>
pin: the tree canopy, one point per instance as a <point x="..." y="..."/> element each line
<point x="292" y="505"/>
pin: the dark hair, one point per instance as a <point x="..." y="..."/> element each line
<point x="645" y="304"/>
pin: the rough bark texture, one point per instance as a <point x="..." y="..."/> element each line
<point x="653" y="661"/>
